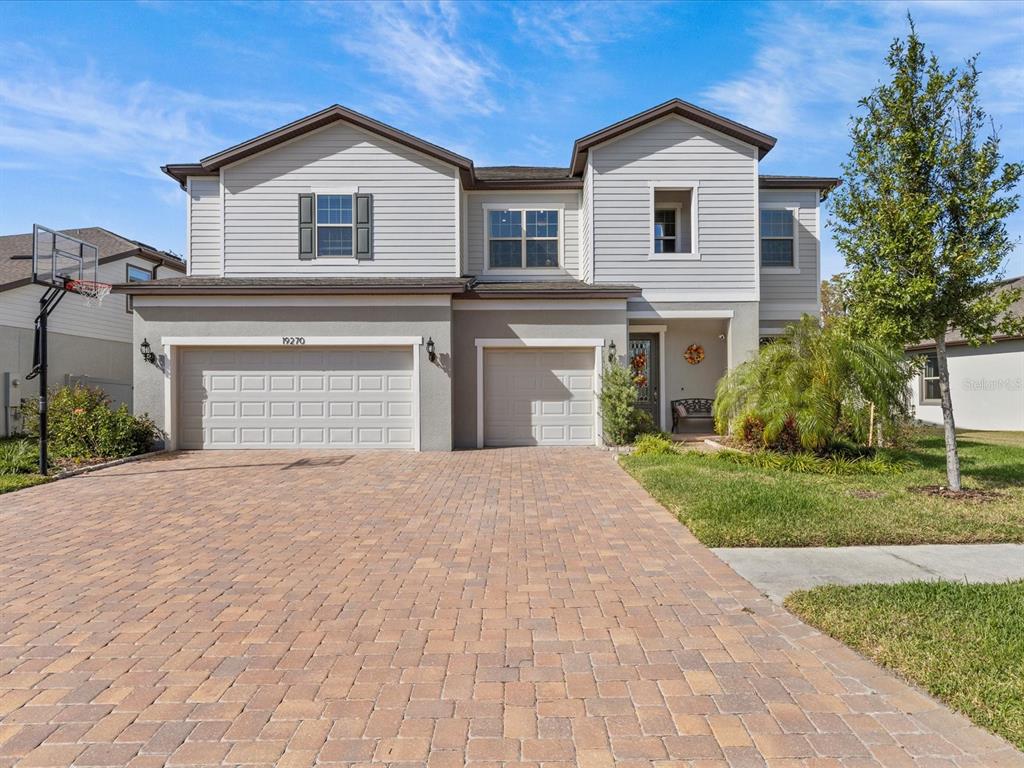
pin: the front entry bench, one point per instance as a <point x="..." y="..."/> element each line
<point x="693" y="408"/>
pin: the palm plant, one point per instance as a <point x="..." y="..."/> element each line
<point x="820" y="382"/>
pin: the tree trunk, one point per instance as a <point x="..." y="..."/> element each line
<point x="952" y="457"/>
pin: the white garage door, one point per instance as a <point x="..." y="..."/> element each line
<point x="539" y="397"/>
<point x="296" y="398"/>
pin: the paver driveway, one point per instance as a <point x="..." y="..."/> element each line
<point x="512" y="606"/>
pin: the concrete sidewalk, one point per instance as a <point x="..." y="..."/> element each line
<point x="780" y="570"/>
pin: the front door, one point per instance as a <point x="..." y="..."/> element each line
<point x="646" y="367"/>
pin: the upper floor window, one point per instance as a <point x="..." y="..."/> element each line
<point x="135" y="274"/>
<point x="930" y="380"/>
<point x="674" y="214"/>
<point x="334" y="225"/>
<point x="522" y="239"/>
<point x="778" y="237"/>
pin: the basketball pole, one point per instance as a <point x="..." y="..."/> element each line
<point x="47" y="303"/>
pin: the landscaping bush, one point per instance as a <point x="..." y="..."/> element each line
<point x="653" y="444"/>
<point x="82" y="425"/>
<point x="813" y="388"/>
<point x="621" y="419"/>
<point x="839" y="464"/>
<point x="17" y="457"/>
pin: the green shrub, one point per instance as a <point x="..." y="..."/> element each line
<point x="809" y="463"/>
<point x="17" y="457"/>
<point x="621" y="419"/>
<point x="653" y="444"/>
<point x="81" y="425"/>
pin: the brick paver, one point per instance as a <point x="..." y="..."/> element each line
<point x="522" y="606"/>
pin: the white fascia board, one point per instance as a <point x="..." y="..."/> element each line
<point x="691" y="314"/>
<point x="704" y="296"/>
<point x="298" y="300"/>
<point x="565" y="305"/>
<point x="540" y="343"/>
<point x="279" y="341"/>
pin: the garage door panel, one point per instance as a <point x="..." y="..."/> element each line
<point x="539" y="396"/>
<point x="285" y="398"/>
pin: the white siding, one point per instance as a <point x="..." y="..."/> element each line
<point x="586" y="234"/>
<point x="794" y="290"/>
<point x="204" y="237"/>
<point x="110" y="320"/>
<point x="415" y="203"/>
<point x="671" y="152"/>
<point x="477" y="244"/>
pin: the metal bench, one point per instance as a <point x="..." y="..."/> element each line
<point x="696" y="407"/>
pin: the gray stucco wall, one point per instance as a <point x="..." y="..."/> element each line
<point x="154" y="323"/>
<point x="470" y="325"/>
<point x="67" y="356"/>
<point x="743" y="333"/>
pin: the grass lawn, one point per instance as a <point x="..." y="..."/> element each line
<point x="13" y="481"/>
<point x="964" y="643"/>
<point x="731" y="505"/>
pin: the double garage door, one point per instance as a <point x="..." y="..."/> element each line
<point x="296" y="398"/>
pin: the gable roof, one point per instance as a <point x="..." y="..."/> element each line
<point x="493" y="177"/>
<point x="677" y="107"/>
<point x="16" y="253"/>
<point x="335" y="113"/>
<point x="956" y="339"/>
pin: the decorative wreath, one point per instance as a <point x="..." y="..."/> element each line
<point x="694" y="354"/>
<point x="639" y="364"/>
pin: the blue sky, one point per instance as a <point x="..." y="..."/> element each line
<point x="94" y="97"/>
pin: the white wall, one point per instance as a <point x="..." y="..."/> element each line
<point x="987" y="386"/>
<point x="787" y="294"/>
<point x="567" y="202"/>
<point x="204" y="236"/>
<point x="673" y="152"/>
<point x="415" y="203"/>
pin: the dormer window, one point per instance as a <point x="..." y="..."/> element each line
<point x="523" y="238"/>
<point x="334" y="225"/>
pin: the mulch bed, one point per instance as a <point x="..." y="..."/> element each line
<point x="967" y="494"/>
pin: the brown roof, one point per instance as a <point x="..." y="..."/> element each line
<point x="762" y="141"/>
<point x="549" y="289"/>
<point x="956" y="339"/>
<point x="493" y="177"/>
<point x="16" y="253"/>
<point x="294" y="285"/>
<point x="824" y="184"/>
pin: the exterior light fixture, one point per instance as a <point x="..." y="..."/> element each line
<point x="147" y="352"/>
<point x="431" y="353"/>
<point x="611" y="350"/>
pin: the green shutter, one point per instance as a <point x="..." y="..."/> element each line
<point x="307" y="241"/>
<point x="362" y="216"/>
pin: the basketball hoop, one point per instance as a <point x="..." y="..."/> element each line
<point x="90" y="290"/>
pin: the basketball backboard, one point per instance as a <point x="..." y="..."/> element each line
<point x="58" y="259"/>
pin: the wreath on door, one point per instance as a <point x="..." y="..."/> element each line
<point x="694" y="354"/>
<point x="639" y="365"/>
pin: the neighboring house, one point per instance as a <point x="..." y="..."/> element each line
<point x="353" y="286"/>
<point x="986" y="382"/>
<point x="86" y="344"/>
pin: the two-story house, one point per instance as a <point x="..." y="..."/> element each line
<point x="353" y="286"/>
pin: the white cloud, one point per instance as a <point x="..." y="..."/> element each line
<point x="416" y="48"/>
<point x="579" y="29"/>
<point x="55" y="115"/>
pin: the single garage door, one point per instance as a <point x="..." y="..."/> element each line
<point x="539" y="397"/>
<point x="296" y="398"/>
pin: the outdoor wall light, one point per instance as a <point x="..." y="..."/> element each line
<point x="611" y="350"/>
<point x="147" y="352"/>
<point x="431" y="353"/>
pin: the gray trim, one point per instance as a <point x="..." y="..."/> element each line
<point x="307" y="215"/>
<point x="823" y="184"/>
<point x="362" y="220"/>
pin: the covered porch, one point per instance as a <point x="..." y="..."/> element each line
<point x="678" y="362"/>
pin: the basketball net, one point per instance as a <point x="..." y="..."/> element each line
<point x="91" y="291"/>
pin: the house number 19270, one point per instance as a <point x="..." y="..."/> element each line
<point x="293" y="340"/>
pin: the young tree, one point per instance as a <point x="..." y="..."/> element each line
<point x="833" y="298"/>
<point x="920" y="215"/>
